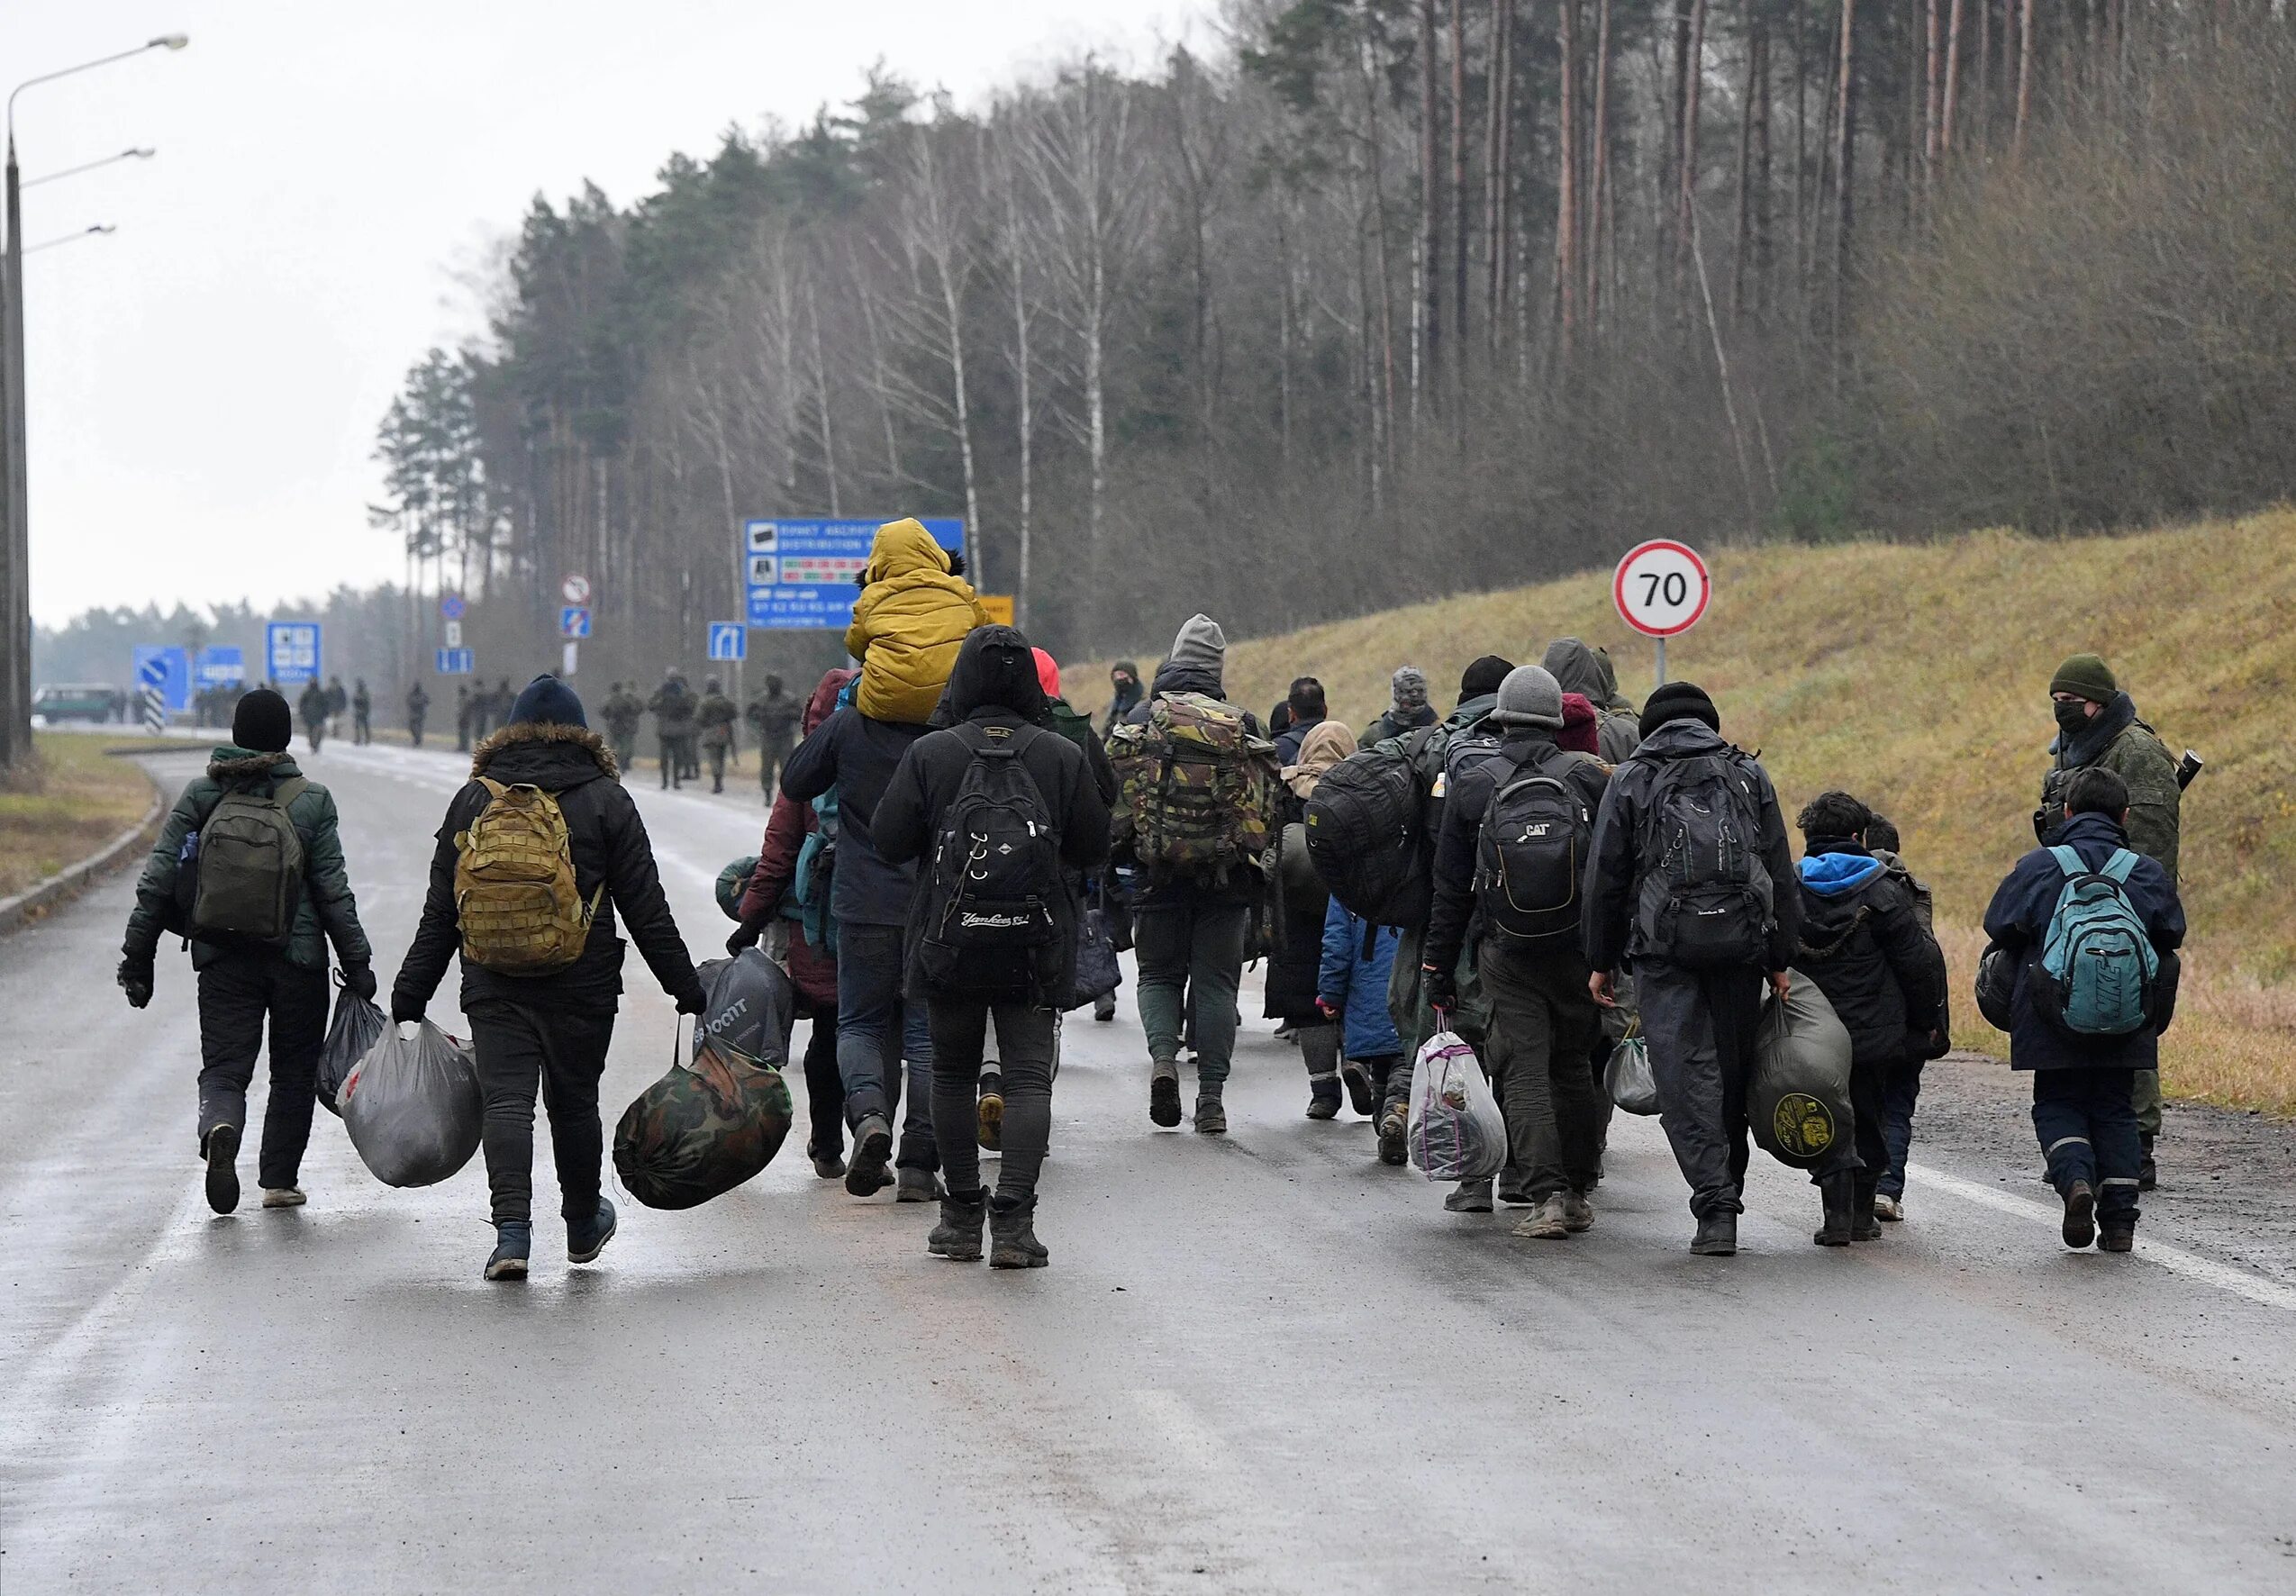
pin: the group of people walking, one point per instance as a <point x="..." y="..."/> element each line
<point x="952" y="853"/>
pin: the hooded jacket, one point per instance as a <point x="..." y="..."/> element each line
<point x="2018" y="917"/>
<point x="610" y="847"/>
<point x="812" y="970"/>
<point x="993" y="687"/>
<point x="2118" y="742"/>
<point x="1862" y="943"/>
<point x="911" y="618"/>
<point x="328" y="911"/>
<point x="1615" y="872"/>
<point x="1355" y="983"/>
<point x="857" y="754"/>
<point x="1577" y="668"/>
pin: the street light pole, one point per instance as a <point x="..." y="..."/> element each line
<point x="15" y="658"/>
<point x="89" y="166"/>
<point x="100" y="229"/>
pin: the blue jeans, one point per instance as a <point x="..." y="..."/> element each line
<point x="1899" y="1092"/>
<point x="2088" y="1130"/>
<point x="869" y="1011"/>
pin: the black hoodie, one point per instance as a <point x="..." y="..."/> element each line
<point x="993" y="685"/>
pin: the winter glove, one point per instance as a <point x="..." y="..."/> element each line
<point x="693" y="1001"/>
<point x="405" y="1010"/>
<point x="745" y="935"/>
<point x="1441" y="986"/>
<point x="359" y="980"/>
<point x="135" y="980"/>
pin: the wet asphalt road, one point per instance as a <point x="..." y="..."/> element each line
<point x="1261" y="1363"/>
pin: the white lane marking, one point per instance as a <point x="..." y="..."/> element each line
<point x="2225" y="1277"/>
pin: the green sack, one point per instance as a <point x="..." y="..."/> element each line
<point x="702" y="1129"/>
<point x="1797" y="1093"/>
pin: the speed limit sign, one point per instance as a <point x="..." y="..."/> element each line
<point x="1662" y="588"/>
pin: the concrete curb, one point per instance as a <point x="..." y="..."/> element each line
<point x="34" y="900"/>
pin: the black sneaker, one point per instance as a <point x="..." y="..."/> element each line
<point x="1717" y="1236"/>
<point x="2080" y="1215"/>
<point x="223" y="1178"/>
<point x="586" y="1239"/>
<point x="1163" y="1095"/>
<point x="1357" y="1081"/>
<point x="866" y="1175"/>
<point x="513" y="1240"/>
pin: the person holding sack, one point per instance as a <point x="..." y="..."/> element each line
<point x="1517" y="823"/>
<point x="997" y="811"/>
<point x="249" y="868"/>
<point x="2093" y="927"/>
<point x="536" y="855"/>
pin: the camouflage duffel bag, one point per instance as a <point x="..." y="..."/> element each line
<point x="702" y="1129"/>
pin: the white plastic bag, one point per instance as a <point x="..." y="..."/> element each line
<point x="1457" y="1132"/>
<point x="412" y="1106"/>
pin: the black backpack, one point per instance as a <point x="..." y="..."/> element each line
<point x="1536" y="837"/>
<point x="1705" y="898"/>
<point x="1366" y="827"/>
<point x="989" y="926"/>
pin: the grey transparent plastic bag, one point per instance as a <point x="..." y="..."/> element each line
<point x="412" y="1106"/>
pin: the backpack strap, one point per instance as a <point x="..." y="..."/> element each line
<point x="2119" y="867"/>
<point x="2068" y="861"/>
<point x="286" y="792"/>
<point x="981" y="743"/>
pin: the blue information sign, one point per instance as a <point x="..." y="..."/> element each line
<point x="220" y="667"/>
<point x="454" y="662"/>
<point x="728" y="640"/>
<point x="451" y="606"/>
<point x="574" y="621"/>
<point x="800" y="574"/>
<point x="292" y="652"/>
<point x="167" y="669"/>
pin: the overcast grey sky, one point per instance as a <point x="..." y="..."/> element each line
<point x="204" y="383"/>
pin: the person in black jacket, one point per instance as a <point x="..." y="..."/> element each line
<point x="1864" y="946"/>
<point x="2081" y="1109"/>
<point x="549" y="1030"/>
<point x="998" y="703"/>
<point x="1699" y="1022"/>
<point x="870" y="896"/>
<point x="1543" y="1022"/>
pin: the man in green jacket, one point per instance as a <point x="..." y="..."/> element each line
<point x="2098" y="728"/>
<point x="244" y="982"/>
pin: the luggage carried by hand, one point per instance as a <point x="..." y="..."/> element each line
<point x="1797" y="1093"/>
<point x="412" y="1105"/>
<point x="1627" y="1077"/>
<point x="351" y="1035"/>
<point x="1456" y="1131"/>
<point x="718" y="1117"/>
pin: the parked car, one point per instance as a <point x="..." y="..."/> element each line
<point x="75" y="701"/>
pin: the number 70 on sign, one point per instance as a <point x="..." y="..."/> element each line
<point x="1662" y="587"/>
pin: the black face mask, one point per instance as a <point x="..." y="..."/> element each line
<point x="2071" y="718"/>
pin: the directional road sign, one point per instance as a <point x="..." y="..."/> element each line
<point x="452" y="607"/>
<point x="292" y="652"/>
<point x="453" y="662"/>
<point x="573" y="621"/>
<point x="728" y="640"/>
<point x="219" y="666"/>
<point x="167" y="671"/>
<point x="800" y="573"/>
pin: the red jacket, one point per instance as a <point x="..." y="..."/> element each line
<point x="813" y="973"/>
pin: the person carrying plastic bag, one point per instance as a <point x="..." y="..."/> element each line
<point x="1456" y="1131"/>
<point x="537" y="854"/>
<point x="412" y="1106"/>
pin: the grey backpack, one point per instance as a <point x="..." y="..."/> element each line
<point x="249" y="867"/>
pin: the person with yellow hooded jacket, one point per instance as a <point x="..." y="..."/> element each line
<point x="913" y="615"/>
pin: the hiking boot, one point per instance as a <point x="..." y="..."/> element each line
<point x="1889" y="1209"/>
<point x="2080" y="1215"/>
<point x="829" y="1166"/>
<point x="1356" y="1079"/>
<point x="1470" y="1197"/>
<point x="1863" y="1224"/>
<point x="866" y="1177"/>
<point x="284" y="1197"/>
<point x="586" y="1239"/>
<point x="222" y="1179"/>
<point x="957" y="1236"/>
<point x="1578" y="1213"/>
<point x="1547" y="1223"/>
<point x="1164" y="1092"/>
<point x="2148" y="1174"/>
<point x="513" y="1240"/>
<point x="1323" y="1100"/>
<point x="1211" y="1115"/>
<point x="1717" y="1236"/>
<point x="1840" y="1194"/>
<point x="1105" y="1011"/>
<point x="1013" y="1236"/>
<point x="1393" y="1125"/>
<point x="919" y="1185"/>
<point x="2117" y="1236"/>
<point x="991" y="1131"/>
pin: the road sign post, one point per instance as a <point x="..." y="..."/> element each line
<point x="1661" y="588"/>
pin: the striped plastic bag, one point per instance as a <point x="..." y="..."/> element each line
<point x="1457" y="1132"/>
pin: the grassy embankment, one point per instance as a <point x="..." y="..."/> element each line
<point x="83" y="799"/>
<point x="1917" y="677"/>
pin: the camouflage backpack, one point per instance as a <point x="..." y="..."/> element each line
<point x="514" y="893"/>
<point x="1197" y="790"/>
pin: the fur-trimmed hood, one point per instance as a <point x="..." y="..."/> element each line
<point x="230" y="764"/>
<point x="521" y="740"/>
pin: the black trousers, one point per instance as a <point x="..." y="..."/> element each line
<point x="1701" y="1027"/>
<point x="563" y="1051"/>
<point x="1028" y="1041"/>
<point x="824" y="1090"/>
<point x="237" y="994"/>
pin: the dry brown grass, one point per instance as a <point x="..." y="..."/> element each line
<point x="1916" y="676"/>
<point x="82" y="800"/>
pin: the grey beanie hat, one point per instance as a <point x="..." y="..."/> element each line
<point x="1530" y="696"/>
<point x="1200" y="645"/>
